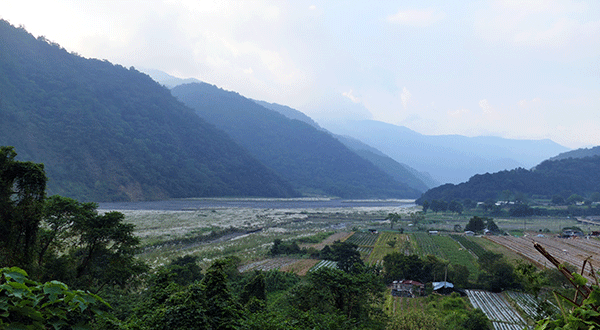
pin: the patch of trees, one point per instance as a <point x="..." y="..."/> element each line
<point x="480" y="224"/>
<point x="580" y="176"/>
<point x="398" y="266"/>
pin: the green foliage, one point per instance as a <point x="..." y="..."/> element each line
<point x="393" y="217"/>
<point x="347" y="256"/>
<point x="26" y="304"/>
<point x="331" y="291"/>
<point x="497" y="274"/>
<point x="398" y="266"/>
<point x="280" y="247"/>
<point x="22" y="193"/>
<point x="580" y="176"/>
<point x="476" y="224"/>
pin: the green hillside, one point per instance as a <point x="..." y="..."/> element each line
<point x="311" y="159"/>
<point x="105" y="132"/>
<point x="573" y="175"/>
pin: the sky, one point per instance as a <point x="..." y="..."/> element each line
<point x="513" y="69"/>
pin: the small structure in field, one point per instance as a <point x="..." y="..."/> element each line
<point x="446" y="288"/>
<point x="408" y="288"/>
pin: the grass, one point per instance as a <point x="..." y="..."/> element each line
<point x="444" y="247"/>
<point x="382" y="248"/>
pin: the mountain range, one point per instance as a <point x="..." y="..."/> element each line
<point x="105" y="132"/>
<point x="447" y="158"/>
<point x="311" y="159"/>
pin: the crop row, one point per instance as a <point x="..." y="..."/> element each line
<point x="495" y="307"/>
<point x="267" y="264"/>
<point x="427" y="245"/>
<point x="324" y="263"/>
<point x="363" y="238"/>
<point x="470" y="245"/>
<point x="572" y="251"/>
<point x="528" y="304"/>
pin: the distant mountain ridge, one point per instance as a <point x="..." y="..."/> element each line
<point x="107" y="133"/>
<point x="551" y="177"/>
<point x="448" y="158"/>
<point x="400" y="172"/>
<point x="578" y="153"/>
<point x="311" y="159"/>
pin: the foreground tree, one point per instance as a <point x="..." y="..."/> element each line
<point x="22" y="192"/>
<point x="27" y="304"/>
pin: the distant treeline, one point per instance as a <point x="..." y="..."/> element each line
<point x="580" y="176"/>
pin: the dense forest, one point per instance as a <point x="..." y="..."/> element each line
<point x="578" y="153"/>
<point x="105" y="132"/>
<point x="579" y="176"/>
<point x="311" y="159"/>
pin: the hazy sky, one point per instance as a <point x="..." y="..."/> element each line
<point x="516" y="69"/>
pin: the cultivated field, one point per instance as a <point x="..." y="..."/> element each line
<point x="572" y="251"/>
<point x="247" y="233"/>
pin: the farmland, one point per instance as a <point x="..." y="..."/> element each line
<point x="446" y="248"/>
<point x="572" y="251"/>
<point x="497" y="309"/>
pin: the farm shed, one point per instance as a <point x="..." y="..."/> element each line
<point x="407" y="288"/>
<point x="446" y="288"/>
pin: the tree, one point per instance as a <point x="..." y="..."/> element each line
<point x="27" y="304"/>
<point x="455" y="207"/>
<point x="574" y="199"/>
<point x="60" y="214"/>
<point x="106" y="250"/>
<point x="558" y="200"/>
<point x="595" y="196"/>
<point x="425" y="206"/>
<point x="393" y="217"/>
<point x="347" y="256"/>
<point x="222" y="309"/>
<point x="22" y="192"/>
<point x="491" y="226"/>
<point x="475" y="224"/>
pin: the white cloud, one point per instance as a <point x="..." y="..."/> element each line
<point x="352" y="98"/>
<point x="417" y="17"/>
<point x="485" y="106"/>
<point x="558" y="25"/>
<point x="312" y="7"/>
<point x="458" y="113"/>
<point x="405" y="97"/>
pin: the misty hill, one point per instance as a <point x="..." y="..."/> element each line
<point x="448" y="158"/>
<point x="289" y="112"/>
<point x="311" y="159"/>
<point x="564" y="177"/>
<point x="109" y="133"/>
<point x="400" y="172"/>
<point x="578" y="153"/>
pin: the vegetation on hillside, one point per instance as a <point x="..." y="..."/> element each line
<point x="311" y="159"/>
<point x="108" y="133"/>
<point x="574" y="175"/>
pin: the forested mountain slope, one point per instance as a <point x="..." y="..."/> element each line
<point x="578" y="153"/>
<point x="108" y="133"/>
<point x="400" y="172"/>
<point x="311" y="159"/>
<point x="574" y="175"/>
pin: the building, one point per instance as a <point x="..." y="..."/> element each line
<point x="407" y="288"/>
